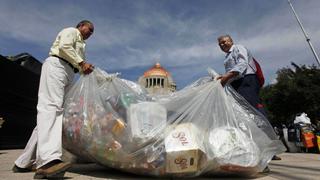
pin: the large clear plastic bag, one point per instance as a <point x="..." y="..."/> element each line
<point x="201" y="129"/>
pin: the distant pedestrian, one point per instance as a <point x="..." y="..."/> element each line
<point x="66" y="57"/>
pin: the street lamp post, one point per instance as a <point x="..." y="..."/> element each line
<point x="305" y="34"/>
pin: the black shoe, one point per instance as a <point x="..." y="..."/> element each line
<point x="276" y="157"/>
<point x="17" y="169"/>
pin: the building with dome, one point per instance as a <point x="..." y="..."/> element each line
<point x="157" y="80"/>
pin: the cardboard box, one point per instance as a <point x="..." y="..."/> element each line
<point x="184" y="149"/>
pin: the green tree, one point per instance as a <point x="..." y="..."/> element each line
<point x="297" y="90"/>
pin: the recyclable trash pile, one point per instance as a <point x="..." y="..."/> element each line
<point x="302" y="135"/>
<point x="201" y="129"/>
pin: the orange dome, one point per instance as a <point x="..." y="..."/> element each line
<point x="156" y="70"/>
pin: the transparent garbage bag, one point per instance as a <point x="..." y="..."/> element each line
<point x="200" y="129"/>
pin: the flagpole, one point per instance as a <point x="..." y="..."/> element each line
<point x="305" y="34"/>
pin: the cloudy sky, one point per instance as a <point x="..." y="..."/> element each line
<point x="132" y="35"/>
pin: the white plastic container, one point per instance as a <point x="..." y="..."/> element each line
<point x="145" y="119"/>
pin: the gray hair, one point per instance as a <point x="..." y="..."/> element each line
<point x="83" y="22"/>
<point x="224" y="36"/>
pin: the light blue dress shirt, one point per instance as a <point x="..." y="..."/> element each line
<point x="239" y="59"/>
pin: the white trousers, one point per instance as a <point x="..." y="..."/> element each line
<point x="45" y="143"/>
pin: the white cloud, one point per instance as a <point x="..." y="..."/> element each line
<point x="139" y="34"/>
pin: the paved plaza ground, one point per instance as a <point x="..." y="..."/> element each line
<point x="293" y="166"/>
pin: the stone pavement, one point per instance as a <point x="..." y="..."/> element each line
<point x="293" y="166"/>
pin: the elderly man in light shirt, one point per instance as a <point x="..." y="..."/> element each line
<point x="241" y="74"/>
<point x="66" y="57"/>
<point x="240" y="71"/>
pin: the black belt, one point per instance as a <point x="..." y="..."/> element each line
<point x="75" y="70"/>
